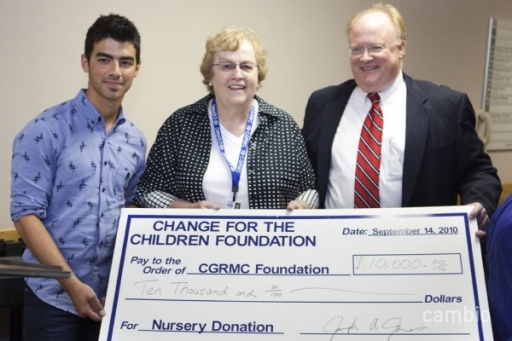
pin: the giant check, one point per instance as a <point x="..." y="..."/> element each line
<point x="382" y="274"/>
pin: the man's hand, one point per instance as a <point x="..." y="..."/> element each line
<point x="86" y="302"/>
<point x="480" y="214"/>
<point x="38" y="240"/>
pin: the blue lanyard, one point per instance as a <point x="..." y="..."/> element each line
<point x="235" y="172"/>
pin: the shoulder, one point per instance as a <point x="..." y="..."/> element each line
<point x="199" y="107"/>
<point x="192" y="111"/>
<point x="503" y="215"/>
<point x="274" y="112"/>
<point x="186" y="119"/>
<point x="267" y="108"/>
<point x="499" y="230"/>
<point x="331" y="92"/>
<point x="189" y="114"/>
<point x="51" y="119"/>
<point x="431" y="90"/>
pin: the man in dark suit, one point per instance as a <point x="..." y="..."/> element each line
<point x="430" y="151"/>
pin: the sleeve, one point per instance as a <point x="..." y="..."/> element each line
<point x="156" y="185"/>
<point x="479" y="181"/>
<point x="32" y="170"/>
<point x="309" y="191"/>
<point x="132" y="185"/>
<point x="311" y="128"/>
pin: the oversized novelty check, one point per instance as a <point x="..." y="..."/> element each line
<point x="381" y="274"/>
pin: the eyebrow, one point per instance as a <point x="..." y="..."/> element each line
<point x="225" y="60"/>
<point x="106" y="55"/>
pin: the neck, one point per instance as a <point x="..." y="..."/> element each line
<point x="108" y="109"/>
<point x="110" y="116"/>
<point x="110" y="119"/>
<point x="233" y="119"/>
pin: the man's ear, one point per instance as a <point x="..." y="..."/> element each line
<point x="137" y="68"/>
<point x="85" y="63"/>
<point x="402" y="48"/>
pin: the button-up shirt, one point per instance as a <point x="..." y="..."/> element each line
<point x="340" y="193"/>
<point x="75" y="177"/>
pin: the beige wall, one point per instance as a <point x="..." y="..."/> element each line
<point x="41" y="43"/>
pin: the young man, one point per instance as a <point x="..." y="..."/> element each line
<point x="428" y="150"/>
<point x="73" y="168"/>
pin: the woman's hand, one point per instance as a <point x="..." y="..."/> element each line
<point x="297" y="205"/>
<point x="205" y="204"/>
<point x="180" y="203"/>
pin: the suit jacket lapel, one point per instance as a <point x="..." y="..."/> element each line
<point x="418" y="113"/>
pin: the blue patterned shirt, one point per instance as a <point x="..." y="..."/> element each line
<point x="75" y="177"/>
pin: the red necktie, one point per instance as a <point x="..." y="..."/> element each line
<point x="368" y="158"/>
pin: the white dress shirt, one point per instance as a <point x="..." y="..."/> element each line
<point x="340" y="191"/>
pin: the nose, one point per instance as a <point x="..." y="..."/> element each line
<point x="366" y="55"/>
<point x="115" y="68"/>
<point x="237" y="72"/>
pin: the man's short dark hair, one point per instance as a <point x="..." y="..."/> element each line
<point x="112" y="26"/>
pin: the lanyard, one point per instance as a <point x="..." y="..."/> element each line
<point x="235" y="172"/>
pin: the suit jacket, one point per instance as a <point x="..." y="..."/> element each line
<point x="443" y="155"/>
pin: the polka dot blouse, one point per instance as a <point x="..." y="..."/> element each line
<point x="278" y="169"/>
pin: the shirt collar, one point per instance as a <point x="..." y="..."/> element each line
<point x="393" y="88"/>
<point x="91" y="114"/>
<point x="262" y="106"/>
<point x="388" y="92"/>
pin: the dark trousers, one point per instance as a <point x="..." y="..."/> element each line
<point x="43" y="322"/>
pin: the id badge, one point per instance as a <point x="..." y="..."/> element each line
<point x="234" y="205"/>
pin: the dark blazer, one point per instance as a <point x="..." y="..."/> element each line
<point x="443" y="154"/>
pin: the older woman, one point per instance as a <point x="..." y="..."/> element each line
<point x="230" y="149"/>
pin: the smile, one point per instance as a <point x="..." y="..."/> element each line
<point x="113" y="84"/>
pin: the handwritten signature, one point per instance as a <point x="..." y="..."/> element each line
<point x="338" y="325"/>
